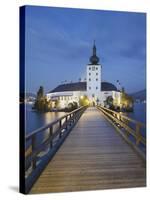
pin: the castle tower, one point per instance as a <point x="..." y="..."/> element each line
<point x="94" y="78"/>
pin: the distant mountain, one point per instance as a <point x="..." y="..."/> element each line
<point x="140" y="95"/>
<point x="29" y="94"/>
<point x="28" y="97"/>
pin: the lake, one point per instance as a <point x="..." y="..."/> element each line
<point x="35" y="120"/>
<point x="139" y="113"/>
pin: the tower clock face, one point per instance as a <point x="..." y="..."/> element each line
<point x="93" y="68"/>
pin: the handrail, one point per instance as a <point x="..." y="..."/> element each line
<point x="119" y="119"/>
<point x="28" y="136"/>
<point x="54" y="137"/>
<point x="123" y="116"/>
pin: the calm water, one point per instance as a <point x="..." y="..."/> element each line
<point x="35" y="120"/>
<point x="139" y="113"/>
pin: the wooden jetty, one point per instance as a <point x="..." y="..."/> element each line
<point x="93" y="156"/>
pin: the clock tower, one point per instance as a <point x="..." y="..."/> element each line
<point x="94" y="78"/>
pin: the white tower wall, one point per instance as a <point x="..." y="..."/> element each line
<point x="94" y="82"/>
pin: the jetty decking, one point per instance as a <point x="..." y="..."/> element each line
<point x="94" y="156"/>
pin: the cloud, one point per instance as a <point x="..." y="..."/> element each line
<point x="135" y="50"/>
<point x="59" y="43"/>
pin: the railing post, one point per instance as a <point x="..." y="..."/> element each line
<point x="138" y="135"/>
<point x="74" y="117"/>
<point x="125" y="122"/>
<point x="60" y="128"/>
<point x="66" y="122"/>
<point x="119" y="117"/>
<point x="80" y="113"/>
<point x="33" y="150"/>
<point x="70" y="120"/>
<point x="51" y="133"/>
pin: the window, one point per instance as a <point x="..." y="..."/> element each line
<point x="89" y="79"/>
<point x="89" y="68"/>
<point x="93" y="68"/>
<point x="96" y="88"/>
<point x="96" y="73"/>
<point x="89" y="74"/>
<point x="96" y="68"/>
<point x="96" y="79"/>
<point x="89" y="88"/>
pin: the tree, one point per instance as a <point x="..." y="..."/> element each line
<point x="109" y="101"/>
<point x="41" y="103"/>
<point x="126" y="101"/>
<point x="40" y="93"/>
<point x="72" y="106"/>
<point x="84" y="101"/>
<point x="75" y="105"/>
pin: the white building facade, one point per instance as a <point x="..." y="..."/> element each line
<point x="96" y="90"/>
<point x="93" y="86"/>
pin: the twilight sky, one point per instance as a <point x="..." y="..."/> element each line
<point x="59" y="43"/>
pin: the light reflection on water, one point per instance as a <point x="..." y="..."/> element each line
<point x="35" y="120"/>
<point x="139" y="114"/>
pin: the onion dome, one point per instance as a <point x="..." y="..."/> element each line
<point x="94" y="59"/>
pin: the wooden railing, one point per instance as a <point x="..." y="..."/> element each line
<point x="39" y="153"/>
<point x="129" y="127"/>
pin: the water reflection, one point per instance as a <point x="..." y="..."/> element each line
<point x="50" y="117"/>
<point x="35" y="120"/>
<point x="139" y="115"/>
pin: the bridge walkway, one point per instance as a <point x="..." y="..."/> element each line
<point x="94" y="156"/>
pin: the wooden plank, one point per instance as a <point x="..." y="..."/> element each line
<point x="93" y="157"/>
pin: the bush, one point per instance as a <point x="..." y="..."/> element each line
<point x="72" y="106"/>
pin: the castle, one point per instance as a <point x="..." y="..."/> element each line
<point x="96" y="91"/>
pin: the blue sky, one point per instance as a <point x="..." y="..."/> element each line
<point x="59" y="43"/>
